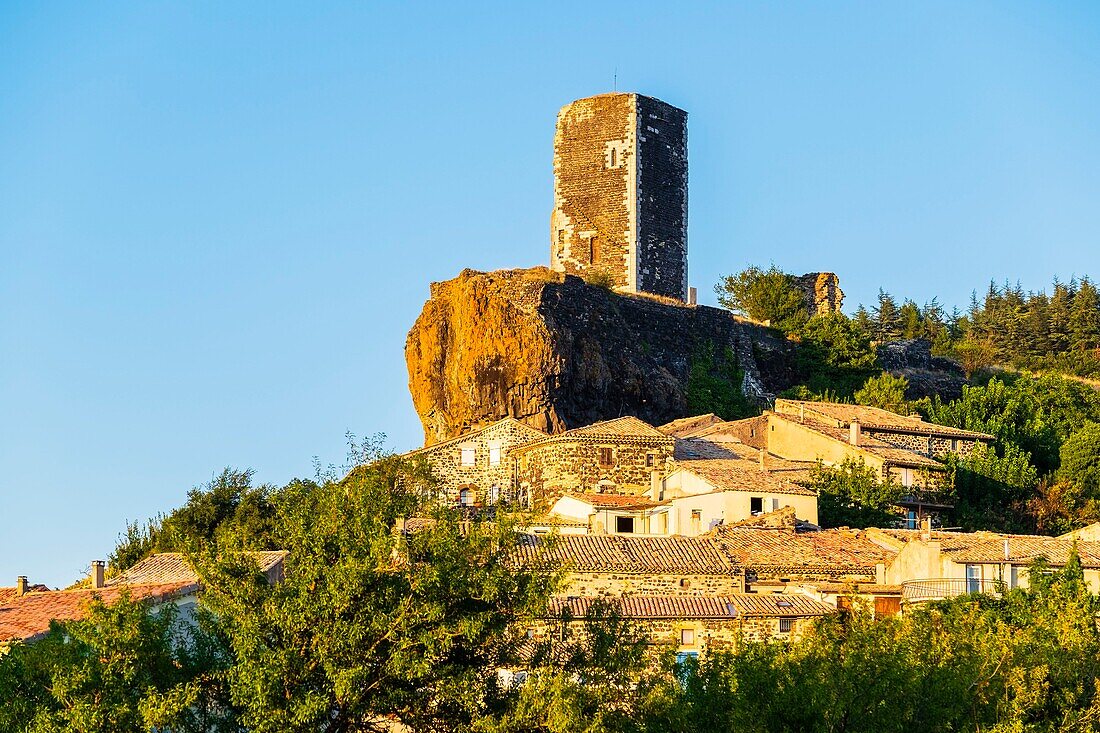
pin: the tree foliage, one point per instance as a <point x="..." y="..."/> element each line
<point x="714" y="385"/>
<point x="768" y="296"/>
<point x="853" y="494"/>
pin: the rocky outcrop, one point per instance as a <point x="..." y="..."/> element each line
<point x="557" y="353"/>
<point x="928" y="375"/>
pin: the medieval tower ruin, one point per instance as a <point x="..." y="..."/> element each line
<point x="620" y="193"/>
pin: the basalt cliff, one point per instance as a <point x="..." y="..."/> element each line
<point x="556" y="352"/>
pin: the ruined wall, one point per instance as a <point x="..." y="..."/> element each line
<point x="930" y="446"/>
<point x="557" y="353"/>
<point x="821" y="292"/>
<point x="710" y="635"/>
<point x="662" y="198"/>
<point x="548" y="469"/>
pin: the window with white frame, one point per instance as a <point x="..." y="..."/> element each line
<point x="494" y="455"/>
<point x="468" y="456"/>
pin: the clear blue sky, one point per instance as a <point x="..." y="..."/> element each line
<point x="218" y="220"/>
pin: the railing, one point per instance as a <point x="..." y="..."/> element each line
<point x="937" y="589"/>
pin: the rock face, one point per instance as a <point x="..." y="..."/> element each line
<point x="557" y="353"/>
<point x="928" y="375"/>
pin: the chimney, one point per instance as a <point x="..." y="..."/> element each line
<point x="926" y="528"/>
<point x="764" y="461"/>
<point x="692" y="296"/>
<point x="855" y="432"/>
<point x="802" y="412"/>
<point x="655" y="485"/>
<point x="1007" y="555"/>
<point x="97" y="573"/>
<point x="21" y="585"/>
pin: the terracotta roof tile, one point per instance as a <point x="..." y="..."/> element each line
<point x="688" y="425"/>
<point x="833" y="551"/>
<point x="620" y="429"/>
<point x="733" y="606"/>
<point x="533" y="433"/>
<point x="869" y="444"/>
<point x="172" y="567"/>
<point x="6" y="594"/>
<point x="29" y="616"/>
<point x="873" y="417"/>
<point x="618" y="554"/>
<point x="615" y="501"/>
<point x="727" y="474"/>
<point x="989" y="547"/>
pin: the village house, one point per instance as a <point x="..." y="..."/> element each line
<point x="623" y="456"/>
<point x="478" y="468"/>
<point x="933" y="564"/>
<point x="159" y="579"/>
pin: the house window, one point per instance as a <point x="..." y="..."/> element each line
<point x="785" y="625"/>
<point x="911" y="519"/>
<point x="954" y="445"/>
<point x="494" y="494"/>
<point x="775" y="504"/>
<point x="650" y="460"/>
<point x="607" y="457"/>
<point x="756" y="505"/>
<point x="624" y="525"/>
<point x="466" y="497"/>
<point x="687" y="637"/>
<point x="468" y="456"/>
<point x="494" y="455"/>
<point x="973" y="578"/>
<point x="696" y="520"/>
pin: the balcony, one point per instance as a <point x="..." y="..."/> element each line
<point x="938" y="589"/>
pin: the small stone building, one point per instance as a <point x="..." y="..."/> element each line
<point x="479" y="468"/>
<point x="622" y="456"/>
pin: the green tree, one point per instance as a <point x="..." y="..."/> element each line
<point x="121" y="668"/>
<point x="884" y="391"/>
<point x="887" y="317"/>
<point x="1084" y="322"/>
<point x="370" y="624"/>
<point x="854" y="495"/>
<point x="714" y="385"/>
<point x="835" y="358"/>
<point x="769" y="296"/>
<point x="1080" y="460"/>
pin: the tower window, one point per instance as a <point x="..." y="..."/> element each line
<point x="593" y="250"/>
<point x="614" y="158"/>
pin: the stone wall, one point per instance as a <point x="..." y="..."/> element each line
<point x="613" y="585"/>
<point x="593" y="225"/>
<point x="821" y="292"/>
<point x="549" y="469"/>
<point x="490" y="468"/>
<point x="662" y="199"/>
<point x="927" y="445"/>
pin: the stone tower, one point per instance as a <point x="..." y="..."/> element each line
<point x="620" y="193"/>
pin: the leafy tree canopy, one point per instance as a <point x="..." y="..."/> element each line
<point x="764" y="295"/>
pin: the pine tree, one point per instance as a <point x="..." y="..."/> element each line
<point x="1059" y="312"/>
<point x="1084" y="323"/>
<point x="887" y="317"/>
<point x="909" y="316"/>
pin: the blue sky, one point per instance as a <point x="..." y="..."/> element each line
<point x="219" y="220"/>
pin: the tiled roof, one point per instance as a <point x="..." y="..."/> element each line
<point x="615" y="501"/>
<point x="875" y="418"/>
<point x="619" y="554"/>
<point x="618" y="430"/>
<point x="686" y="425"/>
<point x="729" y="474"/>
<point x="834" y="551"/>
<point x="29" y="616"/>
<point x="6" y="594"/>
<point x="533" y="433"/>
<point x="989" y="547"/>
<point x="172" y="567"/>
<point x="868" y="444"/>
<point x="733" y="606"/>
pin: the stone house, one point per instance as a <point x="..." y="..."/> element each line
<point x="478" y="468"/>
<point x="622" y="456"/>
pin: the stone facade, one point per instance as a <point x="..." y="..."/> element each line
<point x="617" y="584"/>
<point x="479" y="468"/>
<point x="588" y="460"/>
<point x="930" y="445"/>
<point x="620" y="193"/>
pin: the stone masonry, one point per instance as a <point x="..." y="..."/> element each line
<point x="620" y="193"/>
